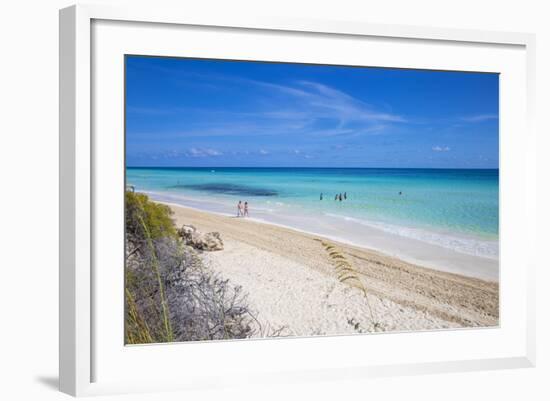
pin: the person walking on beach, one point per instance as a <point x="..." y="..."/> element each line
<point x="240" y="209"/>
<point x="245" y="209"/>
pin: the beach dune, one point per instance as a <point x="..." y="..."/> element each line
<point x="294" y="288"/>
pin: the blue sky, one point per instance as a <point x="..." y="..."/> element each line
<point x="208" y="113"/>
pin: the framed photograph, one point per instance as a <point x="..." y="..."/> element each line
<point x="274" y="200"/>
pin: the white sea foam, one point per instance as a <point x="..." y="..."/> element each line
<point x="456" y="242"/>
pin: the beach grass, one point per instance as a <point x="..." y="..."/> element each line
<point x="143" y="219"/>
<point x="347" y="274"/>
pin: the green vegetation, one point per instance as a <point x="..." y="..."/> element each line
<point x="170" y="295"/>
<point x="146" y="219"/>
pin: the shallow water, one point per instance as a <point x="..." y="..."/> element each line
<point x="454" y="209"/>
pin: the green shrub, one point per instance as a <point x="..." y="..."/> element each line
<point x="170" y="295"/>
<point x="141" y="213"/>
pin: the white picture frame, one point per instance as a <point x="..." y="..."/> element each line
<point x="78" y="318"/>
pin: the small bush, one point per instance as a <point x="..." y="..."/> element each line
<point x="170" y="295"/>
<point x="142" y="215"/>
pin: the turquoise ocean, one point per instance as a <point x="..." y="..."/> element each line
<point x="451" y="208"/>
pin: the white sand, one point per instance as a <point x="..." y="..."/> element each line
<point x="292" y="282"/>
<point x="306" y="302"/>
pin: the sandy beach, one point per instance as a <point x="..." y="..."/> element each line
<point x="293" y="283"/>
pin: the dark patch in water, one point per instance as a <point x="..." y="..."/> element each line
<point x="229" y="189"/>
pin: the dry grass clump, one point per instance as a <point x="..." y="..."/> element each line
<point x="347" y="274"/>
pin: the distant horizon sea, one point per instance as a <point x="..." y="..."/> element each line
<point x="451" y="208"/>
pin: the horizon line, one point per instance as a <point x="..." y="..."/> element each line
<point x="312" y="167"/>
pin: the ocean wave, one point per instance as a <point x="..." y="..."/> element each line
<point x="456" y="242"/>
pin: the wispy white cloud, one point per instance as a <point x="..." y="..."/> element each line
<point x="199" y="152"/>
<point x="301" y="154"/>
<point x="479" y="118"/>
<point x="441" y="148"/>
<point x="345" y="106"/>
<point x="263" y="152"/>
<point x="300" y="107"/>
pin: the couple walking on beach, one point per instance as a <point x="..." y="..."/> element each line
<point x="242" y="209"/>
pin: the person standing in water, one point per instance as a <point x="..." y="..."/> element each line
<point x="340" y="197"/>
<point x="239" y="209"/>
<point x="336" y="197"/>
<point x="321" y="196"/>
<point x="245" y="209"/>
<point x="345" y="195"/>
